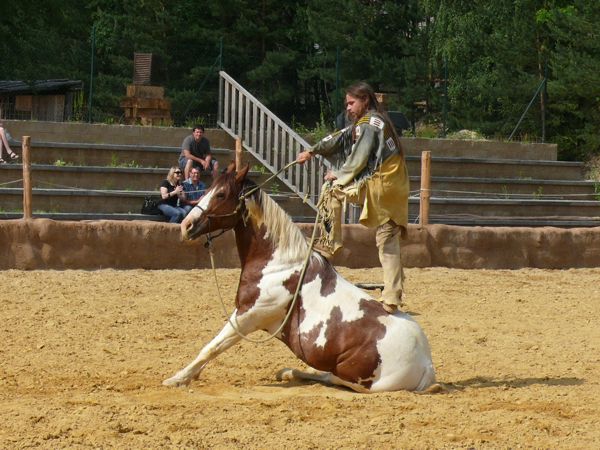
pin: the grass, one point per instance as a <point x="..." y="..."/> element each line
<point x="593" y="168"/>
<point x="258" y="168"/>
<point x="114" y="162"/>
<point x="61" y="163"/>
<point x="593" y="174"/>
<point x="313" y="135"/>
<point x="466" y="135"/>
<point x="275" y="189"/>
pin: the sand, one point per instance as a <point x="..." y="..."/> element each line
<point x="83" y="355"/>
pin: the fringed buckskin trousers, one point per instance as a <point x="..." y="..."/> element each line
<point x="387" y="237"/>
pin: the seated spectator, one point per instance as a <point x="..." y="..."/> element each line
<point x="193" y="189"/>
<point x="195" y="152"/>
<point x="4" y="137"/>
<point x="171" y="191"/>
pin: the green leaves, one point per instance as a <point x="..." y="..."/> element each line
<point x="296" y="57"/>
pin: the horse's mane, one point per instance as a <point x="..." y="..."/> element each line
<point x="285" y="234"/>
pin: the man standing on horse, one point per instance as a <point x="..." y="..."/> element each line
<point x="369" y="169"/>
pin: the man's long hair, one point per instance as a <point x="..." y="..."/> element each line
<point x="365" y="92"/>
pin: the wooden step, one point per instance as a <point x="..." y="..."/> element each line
<point x="541" y="221"/>
<point x="503" y="168"/>
<point x="110" y="201"/>
<point x="99" y="177"/>
<point x="106" y="216"/>
<point x="493" y="207"/>
<point x="509" y="188"/>
<point x="113" y="155"/>
<point x="143" y="178"/>
<point x="479" y="149"/>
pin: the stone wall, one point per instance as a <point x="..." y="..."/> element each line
<point x="48" y="244"/>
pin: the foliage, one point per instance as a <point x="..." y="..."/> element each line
<point x="470" y="65"/>
<point x="466" y="135"/>
<point x="313" y="135"/>
<point x="593" y="169"/>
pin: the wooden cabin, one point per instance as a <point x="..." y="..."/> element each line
<point x="46" y="100"/>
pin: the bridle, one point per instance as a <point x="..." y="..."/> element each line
<point x="239" y="207"/>
<point x="209" y="239"/>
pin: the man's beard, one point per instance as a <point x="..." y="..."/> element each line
<point x="355" y="116"/>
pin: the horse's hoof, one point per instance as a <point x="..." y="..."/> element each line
<point x="390" y="309"/>
<point x="285" y="375"/>
<point x="175" y="382"/>
<point x="435" y="388"/>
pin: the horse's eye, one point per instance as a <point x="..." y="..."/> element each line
<point x="221" y="195"/>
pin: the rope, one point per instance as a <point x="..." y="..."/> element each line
<point x="294" y="299"/>
<point x="258" y="186"/>
<point x="11" y="182"/>
<point x="533" y="195"/>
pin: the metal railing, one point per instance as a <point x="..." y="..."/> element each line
<point x="268" y="139"/>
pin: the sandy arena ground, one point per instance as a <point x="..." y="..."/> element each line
<point x="83" y="355"/>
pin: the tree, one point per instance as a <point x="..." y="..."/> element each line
<point x="574" y="87"/>
<point x="42" y="40"/>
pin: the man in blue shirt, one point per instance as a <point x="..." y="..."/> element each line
<point x="193" y="189"/>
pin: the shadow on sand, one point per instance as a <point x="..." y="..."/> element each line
<point x="484" y="382"/>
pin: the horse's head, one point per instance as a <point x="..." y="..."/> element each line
<point x="220" y="208"/>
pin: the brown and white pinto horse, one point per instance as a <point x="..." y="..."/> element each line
<point x="334" y="327"/>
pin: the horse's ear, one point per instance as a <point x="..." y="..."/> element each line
<point x="240" y="175"/>
<point x="230" y="167"/>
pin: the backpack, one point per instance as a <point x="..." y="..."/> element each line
<point x="150" y="205"/>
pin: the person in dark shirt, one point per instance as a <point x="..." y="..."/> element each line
<point x="171" y="192"/>
<point x="195" y="152"/>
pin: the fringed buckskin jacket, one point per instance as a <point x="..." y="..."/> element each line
<point x="367" y="154"/>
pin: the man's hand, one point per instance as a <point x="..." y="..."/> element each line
<point x="303" y="157"/>
<point x="329" y="176"/>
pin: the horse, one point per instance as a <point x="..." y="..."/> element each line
<point x="333" y="326"/>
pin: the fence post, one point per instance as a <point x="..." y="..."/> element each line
<point x="26" y="147"/>
<point x="425" y="188"/>
<point x="238" y="154"/>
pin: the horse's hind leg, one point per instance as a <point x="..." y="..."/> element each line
<point x="321" y="377"/>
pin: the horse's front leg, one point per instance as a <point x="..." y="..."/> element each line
<point x="225" y="339"/>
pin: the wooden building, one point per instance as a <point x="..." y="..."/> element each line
<point x="46" y="100"/>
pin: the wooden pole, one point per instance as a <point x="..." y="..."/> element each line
<point x="238" y="154"/>
<point x="425" y="188"/>
<point x="26" y="147"/>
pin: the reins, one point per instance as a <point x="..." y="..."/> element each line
<point x="208" y="244"/>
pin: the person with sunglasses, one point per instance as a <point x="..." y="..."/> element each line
<point x="171" y="191"/>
